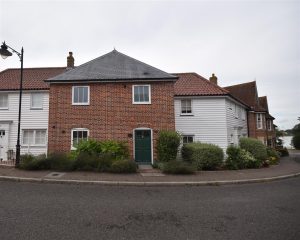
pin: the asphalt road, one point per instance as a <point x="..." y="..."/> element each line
<point x="53" y="211"/>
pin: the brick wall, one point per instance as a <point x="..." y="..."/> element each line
<point x="110" y="115"/>
<point x="253" y="131"/>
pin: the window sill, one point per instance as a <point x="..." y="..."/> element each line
<point x="80" y="104"/>
<point x="36" y="108"/>
<point x="27" y="146"/>
<point x="3" y="108"/>
<point x="186" y="115"/>
<point x="141" y="103"/>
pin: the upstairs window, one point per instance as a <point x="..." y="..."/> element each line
<point x="187" y="139"/>
<point x="259" y="121"/>
<point x="3" y="101"/>
<point x="36" y="101"/>
<point x="81" y="95"/>
<point x="78" y="135"/>
<point x="141" y="94"/>
<point x="186" y="106"/>
<point x="269" y="125"/>
<point x="243" y="114"/>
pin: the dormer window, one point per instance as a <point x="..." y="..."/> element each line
<point x="259" y="121"/>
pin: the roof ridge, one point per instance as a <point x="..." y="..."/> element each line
<point x="241" y="84"/>
<point x="141" y="62"/>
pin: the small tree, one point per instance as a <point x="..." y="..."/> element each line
<point x="296" y="136"/>
<point x="167" y="145"/>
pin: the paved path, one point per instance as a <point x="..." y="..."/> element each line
<point x="31" y="211"/>
<point x="287" y="166"/>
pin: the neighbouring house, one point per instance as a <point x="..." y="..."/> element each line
<point x="35" y="106"/>
<point x="111" y="97"/>
<point x="260" y="122"/>
<point x="206" y="112"/>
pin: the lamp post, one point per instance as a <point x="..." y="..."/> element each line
<point x="4" y="54"/>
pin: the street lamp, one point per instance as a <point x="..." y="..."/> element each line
<point x="4" y="54"/>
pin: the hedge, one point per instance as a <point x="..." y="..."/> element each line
<point x="204" y="156"/>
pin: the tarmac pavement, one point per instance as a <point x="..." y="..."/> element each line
<point x="288" y="167"/>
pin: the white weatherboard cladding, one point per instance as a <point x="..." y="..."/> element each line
<point x="208" y="123"/>
<point x="235" y="123"/>
<point x="30" y="119"/>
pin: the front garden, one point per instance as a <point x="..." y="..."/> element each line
<point x="113" y="156"/>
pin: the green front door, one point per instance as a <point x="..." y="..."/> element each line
<point x="142" y="146"/>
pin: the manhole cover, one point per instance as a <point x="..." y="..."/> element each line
<point x="55" y="175"/>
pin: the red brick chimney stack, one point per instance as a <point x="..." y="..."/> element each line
<point x="70" y="60"/>
<point x="213" y="79"/>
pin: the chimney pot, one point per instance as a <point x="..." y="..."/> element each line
<point x="70" y="60"/>
<point x="213" y="79"/>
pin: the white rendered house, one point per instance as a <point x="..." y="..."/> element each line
<point x="205" y="112"/>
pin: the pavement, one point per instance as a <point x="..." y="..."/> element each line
<point x="287" y="168"/>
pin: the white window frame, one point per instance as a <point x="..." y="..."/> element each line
<point x="259" y="126"/>
<point x="186" y="114"/>
<point x="243" y="114"/>
<point x="34" y="138"/>
<point x="81" y="103"/>
<point x="4" y="94"/>
<point x="188" y="136"/>
<point x="31" y="98"/>
<point x="269" y="122"/>
<point x="141" y="85"/>
<point x="236" y="109"/>
<point x="78" y="129"/>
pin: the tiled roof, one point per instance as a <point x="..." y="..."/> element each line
<point x="33" y="78"/>
<point x="112" y="66"/>
<point x="192" y="84"/>
<point x="247" y="92"/>
<point x="263" y="101"/>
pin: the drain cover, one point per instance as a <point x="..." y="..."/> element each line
<point x="55" y="175"/>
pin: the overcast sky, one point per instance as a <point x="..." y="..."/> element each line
<point x="239" y="41"/>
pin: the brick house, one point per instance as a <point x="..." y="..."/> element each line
<point x="260" y="122"/>
<point x="35" y="106"/>
<point x="111" y="97"/>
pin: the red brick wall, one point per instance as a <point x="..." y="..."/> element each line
<point x="253" y="131"/>
<point x="110" y="115"/>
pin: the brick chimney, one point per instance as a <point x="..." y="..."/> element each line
<point x="213" y="79"/>
<point x="70" y="60"/>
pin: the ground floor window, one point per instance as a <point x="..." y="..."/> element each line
<point x="187" y="139"/>
<point x="78" y="135"/>
<point x="34" y="137"/>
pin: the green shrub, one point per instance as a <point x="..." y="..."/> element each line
<point x="90" y="146"/>
<point x="178" y="167"/>
<point x="283" y="151"/>
<point x="105" y="161"/>
<point x="255" y="147"/>
<point x="118" y="149"/>
<point x="167" y="145"/>
<point x="28" y="162"/>
<point x="296" y="140"/>
<point x="238" y="158"/>
<point x="249" y="161"/>
<point x="205" y="156"/>
<point x="273" y="156"/>
<point x="123" y="166"/>
<point x="86" y="161"/>
<point x="54" y="161"/>
<point x="234" y="160"/>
